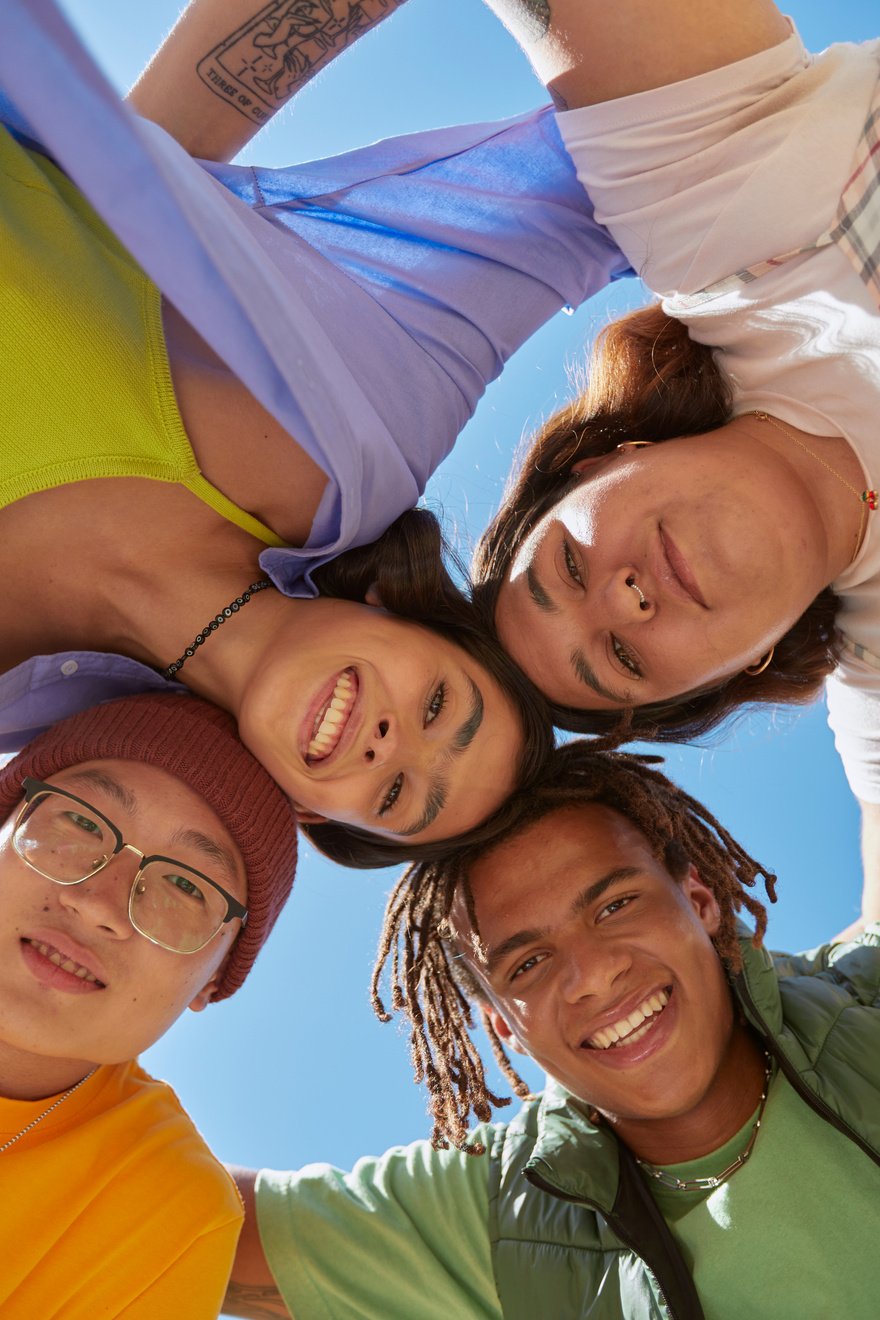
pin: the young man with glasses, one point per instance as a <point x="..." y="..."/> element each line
<point x="144" y="857"/>
<point x="709" y="1139"/>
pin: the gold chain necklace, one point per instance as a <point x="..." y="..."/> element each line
<point x="868" y="499"/>
<point x="714" y="1180"/>
<point x="46" y="1112"/>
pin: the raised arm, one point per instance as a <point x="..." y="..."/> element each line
<point x="228" y="65"/>
<point x="588" y="51"/>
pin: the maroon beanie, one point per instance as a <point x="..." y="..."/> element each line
<point x="199" y="744"/>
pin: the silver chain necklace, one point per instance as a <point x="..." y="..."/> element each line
<point x="709" y="1183"/>
<point x="46" y="1112"/>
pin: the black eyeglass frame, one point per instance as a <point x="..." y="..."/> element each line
<point x="32" y="788"/>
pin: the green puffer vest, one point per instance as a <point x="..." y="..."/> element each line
<point x="575" y="1231"/>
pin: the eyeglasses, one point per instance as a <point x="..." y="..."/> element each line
<point x="67" y="840"/>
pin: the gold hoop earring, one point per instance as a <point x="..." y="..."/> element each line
<point x="635" y="444"/>
<point x="754" y="670"/>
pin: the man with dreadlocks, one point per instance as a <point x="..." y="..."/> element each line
<point x="709" y="1139"/>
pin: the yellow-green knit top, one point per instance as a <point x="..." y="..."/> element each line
<point x="87" y="384"/>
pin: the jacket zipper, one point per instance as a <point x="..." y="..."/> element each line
<point x="614" y="1223"/>
<point x="791" y="1073"/>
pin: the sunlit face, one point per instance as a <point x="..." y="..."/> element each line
<point x="131" y="990"/>
<point x="664" y="570"/>
<point x="600" y="964"/>
<point x="382" y="724"/>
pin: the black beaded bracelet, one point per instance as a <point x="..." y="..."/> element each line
<point x="211" y="627"/>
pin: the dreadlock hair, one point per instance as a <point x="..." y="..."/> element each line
<point x="647" y="380"/>
<point x="429" y="979"/>
<point x="407" y="569"/>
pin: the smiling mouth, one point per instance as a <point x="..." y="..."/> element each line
<point x="66" y="964"/>
<point x="632" y="1028"/>
<point x="332" y="718"/>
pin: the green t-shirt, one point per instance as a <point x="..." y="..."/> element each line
<point x="791" y="1234"/>
<point x="402" y="1237"/>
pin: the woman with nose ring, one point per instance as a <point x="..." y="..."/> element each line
<point x="722" y="468"/>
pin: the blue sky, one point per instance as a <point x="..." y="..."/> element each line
<point x="295" y="1068"/>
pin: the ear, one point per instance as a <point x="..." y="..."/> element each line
<point x="203" y="998"/>
<point x="702" y="900"/>
<point x="590" y="467"/>
<point x="306" y="817"/>
<point x="585" y="467"/>
<point x="502" y="1030"/>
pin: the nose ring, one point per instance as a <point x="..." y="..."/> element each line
<point x="643" y="602"/>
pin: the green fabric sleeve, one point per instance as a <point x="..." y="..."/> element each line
<point x="399" y="1236"/>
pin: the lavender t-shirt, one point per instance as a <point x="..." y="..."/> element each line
<point x="365" y="300"/>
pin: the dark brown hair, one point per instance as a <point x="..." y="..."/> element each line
<point x="407" y="568"/>
<point x="429" y="980"/>
<point x="648" y="380"/>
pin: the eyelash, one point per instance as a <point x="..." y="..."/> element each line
<point x="436" y="703"/>
<point x="83" y="823"/>
<point x="616" y="904"/>
<point x="526" y="966"/>
<point x="391" y="796"/>
<point x="433" y="709"/>
<point x="625" y="659"/>
<point x="571" y="567"/>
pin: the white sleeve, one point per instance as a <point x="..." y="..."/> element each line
<point x="717" y="173"/>
<point x="853" y="693"/>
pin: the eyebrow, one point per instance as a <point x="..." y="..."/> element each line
<point x="585" y="672"/>
<point x="438" y="790"/>
<point x="210" y="848"/>
<point x="537" y="592"/>
<point x="112" y="787"/>
<point x="194" y="838"/>
<point x="583" y="900"/>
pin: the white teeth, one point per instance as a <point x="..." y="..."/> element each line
<point x="66" y="964"/>
<point x="633" y="1027"/>
<point x="334" y="717"/>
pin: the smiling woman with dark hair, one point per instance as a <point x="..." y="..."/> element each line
<point x="232" y="376"/>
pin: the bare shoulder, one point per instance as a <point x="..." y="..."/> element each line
<point x="588" y="52"/>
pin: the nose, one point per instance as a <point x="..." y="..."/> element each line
<point x="102" y="901"/>
<point x="382" y="743"/>
<point x="591" y="969"/>
<point x="633" y="595"/>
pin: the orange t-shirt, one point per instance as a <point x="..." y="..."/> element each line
<point x="113" y="1206"/>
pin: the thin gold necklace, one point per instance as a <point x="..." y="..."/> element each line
<point x="868" y="499"/>
<point x="46" y="1112"/>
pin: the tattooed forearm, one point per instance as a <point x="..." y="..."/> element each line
<point x="260" y="65"/>
<point x="257" y="1301"/>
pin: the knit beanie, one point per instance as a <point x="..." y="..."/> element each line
<point x="199" y="744"/>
